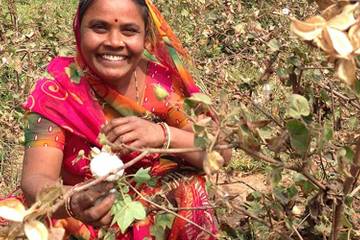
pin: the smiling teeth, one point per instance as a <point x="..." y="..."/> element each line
<point x="113" y="58"/>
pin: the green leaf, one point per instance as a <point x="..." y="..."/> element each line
<point x="292" y="192"/>
<point x="200" y="98"/>
<point x="201" y="142"/>
<point x="74" y="73"/>
<point x="306" y="186"/>
<point x="142" y="176"/>
<point x="126" y="212"/>
<point x="276" y="176"/>
<point x="280" y="195"/>
<point x="298" y="106"/>
<point x="299" y="136"/>
<point x="274" y="45"/>
<point x="162" y="222"/>
<point x="345" y="154"/>
<point x="110" y="236"/>
<point x="326" y="135"/>
<point x="138" y="210"/>
<point x="165" y="220"/>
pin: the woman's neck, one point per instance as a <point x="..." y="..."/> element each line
<point x="132" y="86"/>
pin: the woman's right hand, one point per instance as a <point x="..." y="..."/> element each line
<point x="93" y="206"/>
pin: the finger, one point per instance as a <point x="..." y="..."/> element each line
<point x="104" y="221"/>
<point x="86" y="199"/>
<point x="117" y="132"/>
<point x="115" y="123"/>
<point x="101" y="208"/>
<point x="137" y="144"/>
<point x="103" y="187"/>
<point x="127" y="138"/>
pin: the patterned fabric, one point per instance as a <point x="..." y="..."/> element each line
<point x="68" y="113"/>
<point x="40" y="132"/>
<point x="167" y="49"/>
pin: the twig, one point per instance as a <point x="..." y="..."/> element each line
<point x="256" y="218"/>
<point x="333" y="109"/>
<point x="297" y="232"/>
<point x="194" y="209"/>
<point x="215" y="140"/>
<point x="355" y="191"/>
<point x="168" y="151"/>
<point x="313" y="180"/>
<point x="87" y="185"/>
<point x="172" y="212"/>
<point x="312" y="68"/>
<point x="267" y="114"/>
<point x="307" y="216"/>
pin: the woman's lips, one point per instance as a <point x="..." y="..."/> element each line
<point x="113" y="58"/>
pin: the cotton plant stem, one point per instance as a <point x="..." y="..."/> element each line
<point x="256" y="218"/>
<point x="348" y="190"/>
<point x="91" y="183"/>
<point x="297" y="233"/>
<point x="171" y="212"/>
<point x="168" y="151"/>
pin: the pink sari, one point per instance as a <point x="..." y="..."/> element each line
<point x="75" y="107"/>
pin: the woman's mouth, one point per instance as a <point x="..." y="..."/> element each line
<point x="113" y="58"/>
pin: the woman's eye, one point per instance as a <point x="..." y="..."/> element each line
<point x="130" y="31"/>
<point x="98" y="28"/>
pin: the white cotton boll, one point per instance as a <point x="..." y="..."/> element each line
<point x="104" y="163"/>
<point x="286" y="11"/>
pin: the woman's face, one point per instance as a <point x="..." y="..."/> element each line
<point x="113" y="38"/>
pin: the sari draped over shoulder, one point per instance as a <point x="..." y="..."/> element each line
<point x="80" y="107"/>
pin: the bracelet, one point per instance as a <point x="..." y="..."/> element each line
<point x="68" y="207"/>
<point x="167" y="134"/>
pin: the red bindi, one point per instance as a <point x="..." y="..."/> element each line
<point x="116" y="20"/>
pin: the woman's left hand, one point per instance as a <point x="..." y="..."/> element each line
<point x="135" y="132"/>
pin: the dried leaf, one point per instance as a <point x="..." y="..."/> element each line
<point x="324" y="42"/>
<point x="344" y="20"/>
<point x="12" y="210"/>
<point x="36" y="230"/>
<point x="354" y="36"/>
<point x="56" y="233"/>
<point x="340" y="42"/>
<point x="331" y="11"/>
<point x="213" y="162"/>
<point x="50" y="194"/>
<point x="278" y="144"/>
<point x="323" y="4"/>
<point x="346" y="71"/>
<point x="310" y="29"/>
<point x="257" y="124"/>
<point x="204" y="122"/>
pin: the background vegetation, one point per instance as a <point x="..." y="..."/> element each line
<point x="246" y="57"/>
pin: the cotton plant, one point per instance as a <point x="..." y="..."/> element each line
<point x="336" y="31"/>
<point x="103" y="164"/>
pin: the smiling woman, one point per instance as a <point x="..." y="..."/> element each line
<point x="108" y="88"/>
<point x="113" y="50"/>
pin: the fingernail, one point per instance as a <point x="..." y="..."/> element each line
<point x="113" y="190"/>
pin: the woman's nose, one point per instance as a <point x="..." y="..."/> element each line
<point x="114" y="40"/>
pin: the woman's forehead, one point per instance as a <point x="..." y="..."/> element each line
<point x="111" y="10"/>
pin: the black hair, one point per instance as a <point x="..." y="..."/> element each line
<point x="85" y="4"/>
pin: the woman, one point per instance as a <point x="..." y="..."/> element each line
<point x="109" y="87"/>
